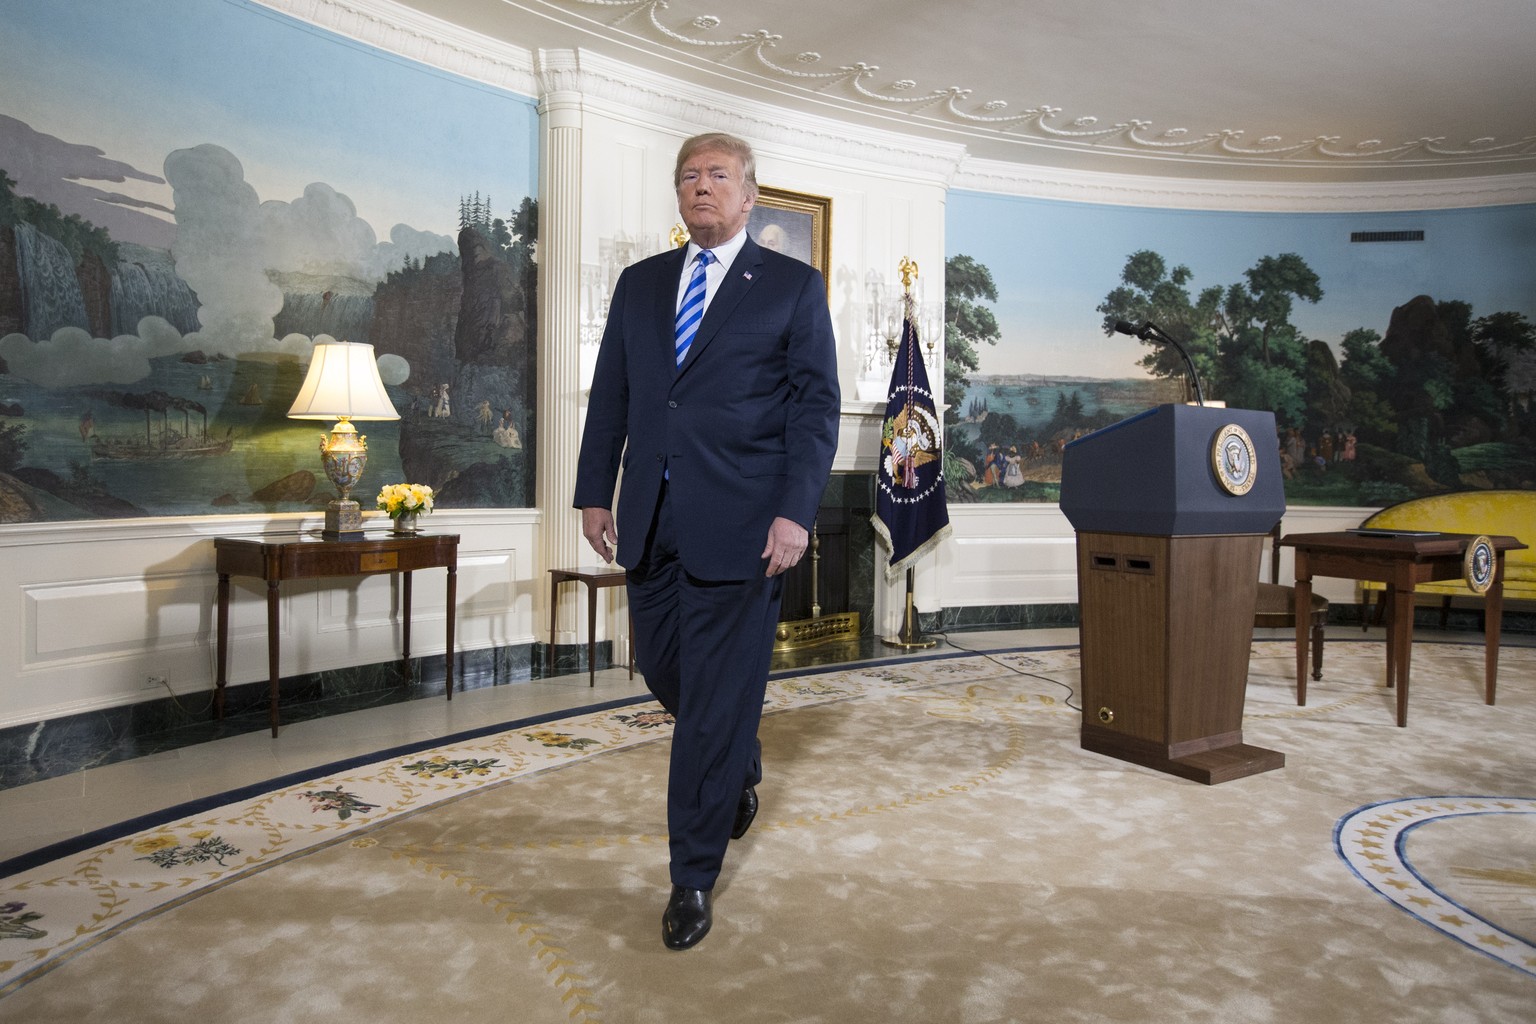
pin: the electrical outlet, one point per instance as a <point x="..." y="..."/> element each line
<point x="156" y="683"/>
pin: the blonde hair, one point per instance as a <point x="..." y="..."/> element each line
<point x="739" y="148"/>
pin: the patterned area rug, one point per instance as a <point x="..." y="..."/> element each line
<point x="933" y="846"/>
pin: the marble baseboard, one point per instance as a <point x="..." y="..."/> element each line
<point x="44" y="750"/>
<point x="1515" y="621"/>
<point x="1015" y="616"/>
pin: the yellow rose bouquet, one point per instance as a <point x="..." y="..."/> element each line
<point x="405" y="500"/>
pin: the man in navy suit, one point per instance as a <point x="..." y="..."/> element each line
<point x="716" y="392"/>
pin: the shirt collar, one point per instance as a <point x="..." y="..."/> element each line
<point x="725" y="252"/>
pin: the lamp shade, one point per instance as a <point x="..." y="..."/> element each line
<point x="343" y="381"/>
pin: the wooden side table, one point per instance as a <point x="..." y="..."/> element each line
<point x="303" y="557"/>
<point x="1401" y="561"/>
<point x="595" y="579"/>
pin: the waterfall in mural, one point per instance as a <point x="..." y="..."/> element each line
<point x="343" y="316"/>
<point x="145" y="283"/>
<point x="51" y="296"/>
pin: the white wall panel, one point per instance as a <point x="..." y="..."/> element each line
<point x="90" y="611"/>
<point x="95" y="618"/>
<point x="1006" y="555"/>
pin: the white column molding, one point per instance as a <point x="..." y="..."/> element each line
<point x="559" y="364"/>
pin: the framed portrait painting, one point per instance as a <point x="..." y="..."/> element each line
<point x="796" y="224"/>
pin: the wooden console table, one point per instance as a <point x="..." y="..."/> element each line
<point x="595" y="579"/>
<point x="310" y="557"/>
<point x="1401" y="561"/>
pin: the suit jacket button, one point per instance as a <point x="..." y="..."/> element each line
<point x="671" y="405"/>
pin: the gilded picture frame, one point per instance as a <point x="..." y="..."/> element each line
<point x="795" y="223"/>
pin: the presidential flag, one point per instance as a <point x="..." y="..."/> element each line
<point x="911" y="514"/>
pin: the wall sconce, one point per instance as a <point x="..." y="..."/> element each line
<point x="343" y="384"/>
<point x="614" y="253"/>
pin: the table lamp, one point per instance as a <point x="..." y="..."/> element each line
<point x="343" y="385"/>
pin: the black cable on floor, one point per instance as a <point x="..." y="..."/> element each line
<point x="990" y="656"/>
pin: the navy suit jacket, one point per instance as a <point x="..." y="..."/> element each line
<point x="745" y="429"/>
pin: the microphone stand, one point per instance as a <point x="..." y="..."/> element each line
<point x="1148" y="329"/>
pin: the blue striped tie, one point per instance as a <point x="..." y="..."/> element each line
<point x="692" y="310"/>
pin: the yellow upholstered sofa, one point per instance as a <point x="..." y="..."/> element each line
<point x="1511" y="513"/>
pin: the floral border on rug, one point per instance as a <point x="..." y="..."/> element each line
<point x="55" y="911"/>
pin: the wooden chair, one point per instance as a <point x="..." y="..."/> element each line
<point x="1277" y="605"/>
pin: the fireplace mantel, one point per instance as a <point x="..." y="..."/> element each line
<point x="858" y="437"/>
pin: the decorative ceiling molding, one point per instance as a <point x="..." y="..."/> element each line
<point x="755" y="54"/>
<point x="623" y="90"/>
<point x="1263" y="196"/>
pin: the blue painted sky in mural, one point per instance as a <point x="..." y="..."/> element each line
<point x="1053" y="263"/>
<point x="293" y="107"/>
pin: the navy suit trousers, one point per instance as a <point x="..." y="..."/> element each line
<point x="704" y="647"/>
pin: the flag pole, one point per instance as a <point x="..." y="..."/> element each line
<point x="910" y="636"/>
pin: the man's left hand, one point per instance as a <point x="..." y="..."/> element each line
<point x="787" y="541"/>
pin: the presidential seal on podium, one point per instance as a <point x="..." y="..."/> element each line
<point x="1232" y="459"/>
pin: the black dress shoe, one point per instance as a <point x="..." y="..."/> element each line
<point x="687" y="918"/>
<point x="746" y="810"/>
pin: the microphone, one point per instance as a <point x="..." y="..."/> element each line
<point x="1149" y="330"/>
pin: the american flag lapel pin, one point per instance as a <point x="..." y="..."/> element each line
<point x="747" y="274"/>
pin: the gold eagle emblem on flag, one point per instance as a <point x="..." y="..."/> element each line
<point x="909" y="440"/>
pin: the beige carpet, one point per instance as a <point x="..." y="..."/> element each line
<point x="933" y="847"/>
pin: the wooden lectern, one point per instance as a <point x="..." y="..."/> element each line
<point x="1171" y="509"/>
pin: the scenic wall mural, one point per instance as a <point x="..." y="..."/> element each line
<point x="1397" y="351"/>
<point x="191" y="194"/>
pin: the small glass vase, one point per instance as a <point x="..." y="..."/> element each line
<point x="407" y="525"/>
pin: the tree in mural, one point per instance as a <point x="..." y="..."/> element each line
<point x="1366" y="373"/>
<point x="1148" y="290"/>
<point x="1510" y="340"/>
<point x="1239" y="338"/>
<point x="1441" y="401"/>
<point x="1461" y="415"/>
<point x="967" y="326"/>
<point x="1263" y="307"/>
<point x="78" y="235"/>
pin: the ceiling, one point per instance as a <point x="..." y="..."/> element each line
<point x="1229" y="90"/>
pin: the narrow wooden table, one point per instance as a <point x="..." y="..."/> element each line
<point x="1401" y="561"/>
<point x="302" y="557"/>
<point x="595" y="579"/>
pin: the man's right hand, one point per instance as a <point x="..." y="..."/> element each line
<point x="597" y="526"/>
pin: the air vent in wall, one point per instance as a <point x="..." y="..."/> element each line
<point x="1386" y="236"/>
